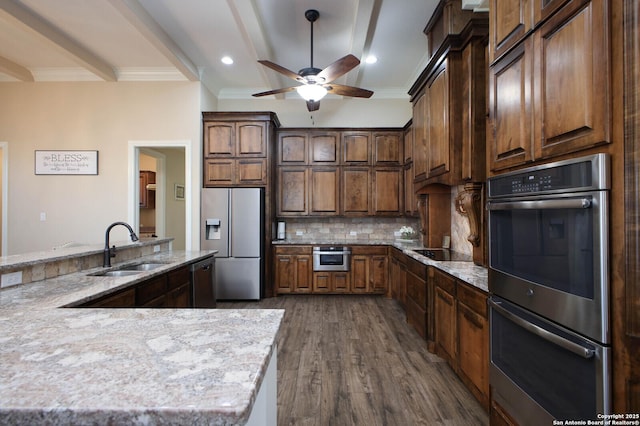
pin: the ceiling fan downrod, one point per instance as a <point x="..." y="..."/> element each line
<point x="312" y="15"/>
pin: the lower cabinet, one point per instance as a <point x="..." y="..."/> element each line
<point x="369" y="269"/>
<point x="398" y="277"/>
<point x="462" y="332"/>
<point x="171" y="290"/>
<point x="417" y="297"/>
<point x="292" y="272"/>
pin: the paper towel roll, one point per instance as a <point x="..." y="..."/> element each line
<point x="281" y="231"/>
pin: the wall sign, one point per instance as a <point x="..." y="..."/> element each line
<point x="66" y="163"/>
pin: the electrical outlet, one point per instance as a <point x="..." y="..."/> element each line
<point x="10" y="279"/>
<point x="353" y="233"/>
<point x="298" y="233"/>
<point x="43" y="216"/>
<point x="156" y="249"/>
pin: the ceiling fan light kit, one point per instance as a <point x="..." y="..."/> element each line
<point x="311" y="92"/>
<point x="315" y="82"/>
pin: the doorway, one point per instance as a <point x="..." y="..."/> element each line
<point x="170" y="193"/>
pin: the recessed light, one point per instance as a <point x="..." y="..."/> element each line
<point x="371" y="59"/>
<point x="227" y="60"/>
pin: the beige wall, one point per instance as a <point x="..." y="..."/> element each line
<point x="175" y="209"/>
<point x="87" y="116"/>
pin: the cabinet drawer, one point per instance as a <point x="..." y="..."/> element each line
<point x="149" y="290"/>
<point x="369" y="250"/>
<point x="474" y="299"/>
<point x="293" y="250"/>
<point x="178" y="278"/>
<point x="417" y="268"/>
<point x="445" y="282"/>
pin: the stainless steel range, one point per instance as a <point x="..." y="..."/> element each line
<point x="549" y="279"/>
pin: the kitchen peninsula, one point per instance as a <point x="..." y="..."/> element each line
<point x="128" y="366"/>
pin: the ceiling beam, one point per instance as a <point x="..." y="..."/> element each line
<point x="143" y="22"/>
<point x="364" y="26"/>
<point x="252" y="30"/>
<point x="36" y="24"/>
<point x="15" y="70"/>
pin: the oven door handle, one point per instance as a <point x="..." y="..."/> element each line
<point x="541" y="332"/>
<point x="571" y="203"/>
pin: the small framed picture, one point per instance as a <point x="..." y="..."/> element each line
<point x="179" y="191"/>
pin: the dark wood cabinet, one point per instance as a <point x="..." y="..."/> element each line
<point x="509" y="22"/>
<point x="551" y="94"/>
<point x="293" y="269"/>
<point x="398" y="276"/>
<point x="236" y="148"/>
<point x="292" y="191"/>
<point x="324" y="191"/>
<point x="324" y="172"/>
<point x="170" y="290"/>
<point x="331" y="282"/>
<point x="369" y="269"/>
<point x="445" y="317"/>
<point x="417" y="297"/>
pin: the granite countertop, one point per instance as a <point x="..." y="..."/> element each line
<point x="464" y="270"/>
<point x="127" y="366"/>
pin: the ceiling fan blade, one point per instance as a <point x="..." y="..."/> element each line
<point x="274" y="92"/>
<point x="313" y="105"/>
<point x="338" y="68"/>
<point x="281" y="70"/>
<point x="339" y="89"/>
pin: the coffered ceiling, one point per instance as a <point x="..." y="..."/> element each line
<point x="158" y="40"/>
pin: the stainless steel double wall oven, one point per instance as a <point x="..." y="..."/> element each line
<point x="549" y="284"/>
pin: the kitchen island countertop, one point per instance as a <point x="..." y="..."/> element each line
<point x="128" y="366"/>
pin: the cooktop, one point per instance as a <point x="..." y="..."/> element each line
<point x="440" y="254"/>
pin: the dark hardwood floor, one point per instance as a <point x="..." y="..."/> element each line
<point x="353" y="360"/>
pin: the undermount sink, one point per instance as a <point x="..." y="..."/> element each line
<point x="125" y="270"/>
<point x="116" y="273"/>
<point x="142" y="267"/>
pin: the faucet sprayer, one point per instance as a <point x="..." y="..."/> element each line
<point x="111" y="252"/>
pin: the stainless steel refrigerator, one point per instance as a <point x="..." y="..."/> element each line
<point x="233" y="223"/>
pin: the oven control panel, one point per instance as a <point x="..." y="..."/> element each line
<point x="587" y="173"/>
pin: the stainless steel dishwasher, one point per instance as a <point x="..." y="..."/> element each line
<point x="203" y="283"/>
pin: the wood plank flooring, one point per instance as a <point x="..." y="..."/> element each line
<point x="353" y="360"/>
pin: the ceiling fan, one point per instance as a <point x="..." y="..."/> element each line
<point x="316" y="82"/>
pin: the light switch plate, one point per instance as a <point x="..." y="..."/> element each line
<point x="156" y="249"/>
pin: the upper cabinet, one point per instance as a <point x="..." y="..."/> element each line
<point x="354" y="172"/>
<point x="550" y="95"/>
<point x="236" y="147"/>
<point x="449" y="100"/>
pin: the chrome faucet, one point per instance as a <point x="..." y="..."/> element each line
<point x="111" y="252"/>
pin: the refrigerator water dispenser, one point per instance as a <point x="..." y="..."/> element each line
<point x="212" y="230"/>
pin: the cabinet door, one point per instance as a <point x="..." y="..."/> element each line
<point x="509" y="22"/>
<point x="387" y="192"/>
<point x="387" y="148"/>
<point x="378" y="273"/>
<point x="438" y="160"/>
<point x="325" y="187"/>
<point x="324" y="147"/>
<point x="420" y="151"/>
<point x="542" y="9"/>
<point x="359" y="273"/>
<point x="292" y="148"/>
<point x="152" y="292"/>
<point x="416" y="302"/>
<point x="251" y="171"/>
<point x="304" y="279"/>
<point x="285" y="273"/>
<point x="179" y="298"/>
<point x="356" y="148"/>
<point x="407" y="144"/>
<point x="510" y="83"/>
<point x="473" y="110"/>
<point x="219" y="139"/>
<point x="356" y="190"/>
<point x="341" y="282"/>
<point x="572" y="80"/>
<point x="292" y="197"/>
<point x="473" y="351"/>
<point x="322" y="282"/>
<point x="219" y="172"/>
<point x="251" y="139"/>
<point x="410" y="199"/>
<point x="445" y="327"/>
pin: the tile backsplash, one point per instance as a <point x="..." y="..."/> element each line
<point x="373" y="229"/>
<point x="340" y="228"/>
